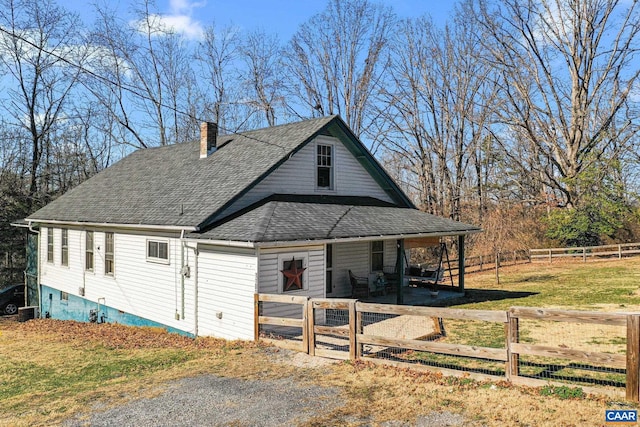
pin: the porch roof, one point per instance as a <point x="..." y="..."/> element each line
<point x="307" y="220"/>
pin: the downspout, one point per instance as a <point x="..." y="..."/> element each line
<point x="38" y="268"/>
<point x="182" y="243"/>
<point x="195" y="291"/>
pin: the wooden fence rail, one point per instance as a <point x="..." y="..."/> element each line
<point x="585" y="252"/>
<point x="476" y="263"/>
<point x="353" y="335"/>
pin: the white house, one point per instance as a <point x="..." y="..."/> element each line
<point x="183" y="236"/>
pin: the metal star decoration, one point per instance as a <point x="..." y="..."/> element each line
<point x="293" y="275"/>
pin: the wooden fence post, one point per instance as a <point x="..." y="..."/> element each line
<point x="633" y="358"/>
<point x="256" y="316"/>
<point x="305" y="326"/>
<point x="513" y="336"/>
<point x="358" y="331"/>
<point x="311" y="335"/>
<point x="353" y="352"/>
<point x="550" y="257"/>
<point x="584" y="254"/>
<point x="619" y="251"/>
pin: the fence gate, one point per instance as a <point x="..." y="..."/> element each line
<point x="332" y="327"/>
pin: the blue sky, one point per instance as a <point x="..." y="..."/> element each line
<point x="275" y="16"/>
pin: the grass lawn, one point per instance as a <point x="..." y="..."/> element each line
<point x="595" y="285"/>
<point x="51" y="370"/>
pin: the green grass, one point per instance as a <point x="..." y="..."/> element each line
<point x="572" y="285"/>
<point x="597" y="286"/>
<point x="562" y="392"/>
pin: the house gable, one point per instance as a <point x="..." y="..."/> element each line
<point x="298" y="176"/>
<point x="355" y="173"/>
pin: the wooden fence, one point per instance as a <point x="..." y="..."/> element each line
<point x="606" y="251"/>
<point x="342" y="328"/>
<point x="473" y="264"/>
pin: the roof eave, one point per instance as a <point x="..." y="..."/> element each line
<point x="113" y="225"/>
<point x="308" y="242"/>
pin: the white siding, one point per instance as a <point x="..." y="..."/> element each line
<point x="297" y="176"/>
<point x="149" y="290"/>
<point x="226" y="285"/>
<point x="269" y="275"/>
<point x="356" y="256"/>
<point x="352" y="256"/>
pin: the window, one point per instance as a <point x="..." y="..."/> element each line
<point x="329" y="268"/>
<point x="377" y="255"/>
<point x="157" y="251"/>
<point x="64" y="247"/>
<point x="49" y="244"/>
<point x="293" y="272"/>
<point x="108" y="254"/>
<point x="88" y="251"/>
<point x="64" y="297"/>
<point x="325" y="167"/>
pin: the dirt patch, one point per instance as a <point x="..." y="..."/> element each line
<point x="294" y="358"/>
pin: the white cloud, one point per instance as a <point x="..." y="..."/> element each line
<point x="178" y="20"/>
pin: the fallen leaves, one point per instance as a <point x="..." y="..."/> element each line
<point x="113" y="335"/>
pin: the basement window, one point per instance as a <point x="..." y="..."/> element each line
<point x="158" y="251"/>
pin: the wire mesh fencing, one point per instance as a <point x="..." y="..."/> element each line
<point x="572" y="350"/>
<point x="534" y="346"/>
<point x="436" y="338"/>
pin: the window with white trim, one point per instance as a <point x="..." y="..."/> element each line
<point x="50" y="244"/>
<point x="324" y="169"/>
<point x="64" y="247"/>
<point x="329" y="268"/>
<point x="377" y="256"/>
<point x="109" y="264"/>
<point x="88" y="251"/>
<point x="158" y="251"/>
<point x="293" y="272"/>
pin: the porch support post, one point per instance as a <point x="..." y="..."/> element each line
<point x="461" y="262"/>
<point x="400" y="267"/>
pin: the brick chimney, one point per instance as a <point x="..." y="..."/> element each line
<point x="208" y="137"/>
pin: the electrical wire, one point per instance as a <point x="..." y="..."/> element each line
<point x="131" y="89"/>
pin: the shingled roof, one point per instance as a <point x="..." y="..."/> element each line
<point x="172" y="186"/>
<point x="289" y="218"/>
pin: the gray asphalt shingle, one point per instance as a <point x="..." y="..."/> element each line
<point x="172" y="186"/>
<point x="295" y="221"/>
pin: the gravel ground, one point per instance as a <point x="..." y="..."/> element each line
<point x="213" y="401"/>
<point x="209" y="400"/>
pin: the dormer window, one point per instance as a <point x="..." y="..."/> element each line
<point x="324" y="173"/>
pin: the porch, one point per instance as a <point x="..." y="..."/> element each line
<point x="416" y="296"/>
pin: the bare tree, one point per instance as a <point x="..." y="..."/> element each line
<point x="39" y="42"/>
<point x="217" y="54"/>
<point x="144" y="76"/>
<point x="567" y="73"/>
<point x="438" y="111"/>
<point x="263" y="75"/>
<point x="337" y="60"/>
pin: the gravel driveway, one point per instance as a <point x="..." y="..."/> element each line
<point x="209" y="400"/>
<point x="214" y="401"/>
